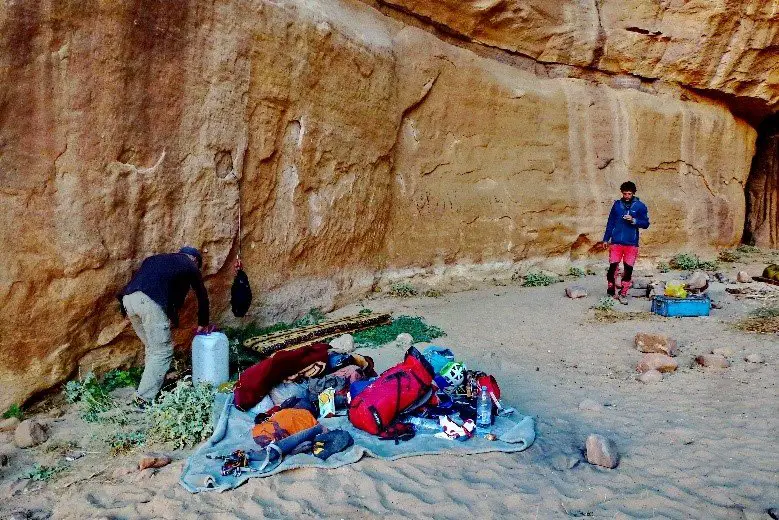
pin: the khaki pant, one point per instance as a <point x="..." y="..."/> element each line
<point x="152" y="326"/>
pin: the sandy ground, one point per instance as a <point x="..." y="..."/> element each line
<point x="699" y="444"/>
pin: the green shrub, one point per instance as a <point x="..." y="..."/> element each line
<point x="690" y="262"/>
<point x="122" y="378"/>
<point x="605" y="304"/>
<point x="432" y="293"/>
<point x="383" y="334"/>
<point x="312" y="317"/>
<point x="402" y="290"/>
<point x="538" y="279"/>
<point x="182" y="416"/>
<point x="363" y="312"/>
<point x="577" y="272"/>
<point x="663" y="267"/>
<point x="43" y="473"/>
<point x="123" y="442"/>
<point x="91" y="396"/>
<point x="14" y="411"/>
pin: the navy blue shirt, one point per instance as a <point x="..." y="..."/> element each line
<point x="166" y="279"/>
<point x="619" y="230"/>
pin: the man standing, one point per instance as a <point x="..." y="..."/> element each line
<point x="627" y="215"/>
<point x="152" y="301"/>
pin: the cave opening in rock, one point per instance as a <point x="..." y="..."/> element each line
<point x="761" y="225"/>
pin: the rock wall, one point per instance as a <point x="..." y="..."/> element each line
<point x="729" y="46"/>
<point x="351" y="144"/>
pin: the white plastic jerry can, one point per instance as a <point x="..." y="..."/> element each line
<point x="210" y="359"/>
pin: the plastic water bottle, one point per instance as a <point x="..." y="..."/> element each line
<point x="210" y="359"/>
<point x="423" y="425"/>
<point x="484" y="411"/>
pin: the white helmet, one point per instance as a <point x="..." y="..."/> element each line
<point x="454" y="374"/>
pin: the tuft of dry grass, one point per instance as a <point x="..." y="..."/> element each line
<point x="612" y="316"/>
<point x="762" y="321"/>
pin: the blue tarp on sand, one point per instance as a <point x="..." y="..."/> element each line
<point x="233" y="431"/>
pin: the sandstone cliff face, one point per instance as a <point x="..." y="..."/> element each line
<point x="359" y="146"/>
<point x="723" y="45"/>
<point x="519" y="166"/>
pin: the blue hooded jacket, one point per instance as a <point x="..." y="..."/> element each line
<point x="619" y="230"/>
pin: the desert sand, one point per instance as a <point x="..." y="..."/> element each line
<point x="702" y="443"/>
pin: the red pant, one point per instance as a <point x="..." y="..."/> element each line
<point x="620" y="253"/>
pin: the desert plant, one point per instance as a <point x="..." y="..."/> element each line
<point x="123" y="442"/>
<point x="747" y="249"/>
<point x="577" y="272"/>
<point x="383" y="334"/>
<point x="312" y="317"/>
<point x="690" y="262"/>
<point x="433" y="293"/>
<point x="538" y="279"/>
<point x="364" y="311"/>
<point x="663" y="267"/>
<point x="114" y="379"/>
<point x="182" y="416"/>
<point x="91" y="396"/>
<point x="402" y="290"/>
<point x="684" y="262"/>
<point x="605" y="304"/>
<point x="13" y="411"/>
<point x="43" y="473"/>
<point x="728" y="255"/>
<point x="764" y="320"/>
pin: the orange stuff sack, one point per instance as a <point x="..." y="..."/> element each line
<point x="282" y="424"/>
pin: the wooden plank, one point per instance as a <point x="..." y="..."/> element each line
<point x="296" y="338"/>
<point x="765" y="280"/>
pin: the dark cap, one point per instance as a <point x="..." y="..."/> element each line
<point x="191" y="251"/>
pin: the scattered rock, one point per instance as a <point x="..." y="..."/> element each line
<point x="659" y="343"/>
<point x="564" y="462"/>
<point x="754" y="358"/>
<point x="773" y="512"/>
<point x="70" y="456"/>
<point x="343" y="344"/>
<point x="659" y="362"/>
<point x="575" y="291"/>
<point x="651" y="376"/>
<point x="712" y="361"/>
<point x="656" y="289"/>
<point x="716" y="305"/>
<point x="743" y="277"/>
<point x="30" y="433"/>
<point x="721" y="278"/>
<point x="19" y="487"/>
<point x="602" y="451"/>
<point x="404" y="340"/>
<point x="698" y="282"/>
<point x="9" y="425"/>
<point x="3" y="459"/>
<point x="590" y="405"/>
<point x="723" y="351"/>
<point x="641" y="283"/>
<point x="153" y="460"/>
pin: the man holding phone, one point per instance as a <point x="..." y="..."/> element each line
<point x="627" y="215"/>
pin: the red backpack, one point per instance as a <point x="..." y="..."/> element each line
<point x="399" y="389"/>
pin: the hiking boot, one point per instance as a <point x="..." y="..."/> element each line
<point x="140" y="403"/>
<point x="611" y="291"/>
